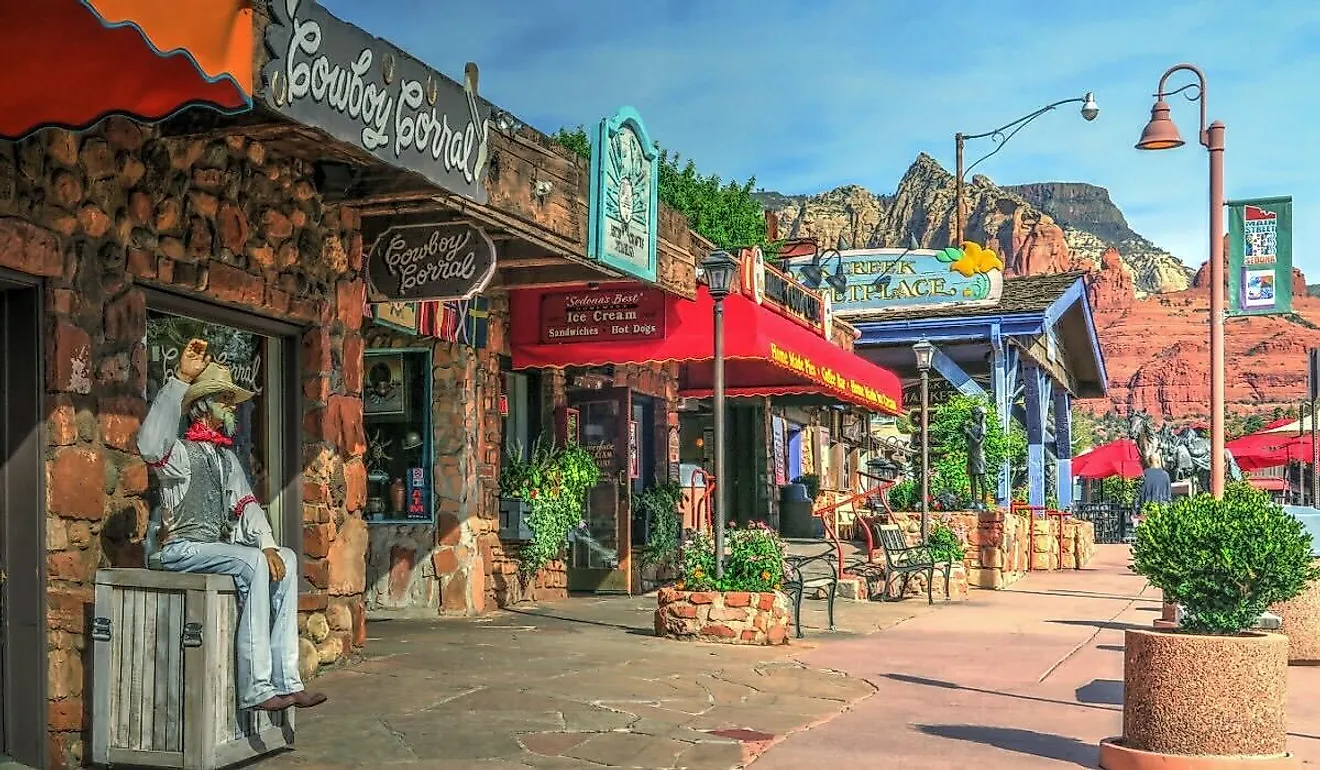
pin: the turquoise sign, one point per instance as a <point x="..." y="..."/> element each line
<point x="867" y="282"/>
<point x="623" y="227"/>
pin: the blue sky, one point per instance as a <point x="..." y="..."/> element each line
<point x="811" y="94"/>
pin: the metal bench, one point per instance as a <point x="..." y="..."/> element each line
<point x="903" y="561"/>
<point x="815" y="569"/>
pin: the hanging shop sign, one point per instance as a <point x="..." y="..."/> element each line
<point x="624" y="230"/>
<point x="634" y="450"/>
<point x="603" y="315"/>
<point x="1260" y="256"/>
<point x="359" y="89"/>
<point x="778" y="428"/>
<point x="767" y="285"/>
<point x="880" y="280"/>
<point x="442" y="261"/>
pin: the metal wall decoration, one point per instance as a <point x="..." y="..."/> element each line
<point x="443" y="261"/>
<point x="623" y="232"/>
<point x="333" y="76"/>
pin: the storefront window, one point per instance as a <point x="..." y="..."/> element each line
<point x="257" y="363"/>
<point x="520" y="412"/>
<point x="396" y="408"/>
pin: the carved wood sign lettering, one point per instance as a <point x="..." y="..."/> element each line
<point x="418" y="263"/>
<point x="359" y="89"/>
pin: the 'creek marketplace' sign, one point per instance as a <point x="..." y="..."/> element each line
<point x="421" y="263"/>
<point x="359" y="89"/>
<point x="880" y="280"/>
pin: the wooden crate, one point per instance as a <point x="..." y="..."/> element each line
<point x="163" y="675"/>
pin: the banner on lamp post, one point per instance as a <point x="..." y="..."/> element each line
<point x="1260" y="256"/>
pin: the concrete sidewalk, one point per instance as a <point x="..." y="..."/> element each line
<point x="1024" y="678"/>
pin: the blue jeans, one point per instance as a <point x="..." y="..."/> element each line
<point x="266" y="645"/>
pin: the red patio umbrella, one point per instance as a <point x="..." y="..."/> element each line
<point x="1269" y="449"/>
<point x="1117" y="458"/>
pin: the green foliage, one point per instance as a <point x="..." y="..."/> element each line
<point x="659" y="505"/>
<point x="1084" y="431"/>
<point x="948" y="448"/>
<point x="811" y="481"/>
<point x="555" y="482"/>
<point x="1117" y="489"/>
<point x="905" y="496"/>
<point x="724" y="212"/>
<point x="1225" y="561"/>
<point x="755" y="561"/>
<point x="945" y="545"/>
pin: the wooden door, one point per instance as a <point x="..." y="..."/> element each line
<point x="600" y="560"/>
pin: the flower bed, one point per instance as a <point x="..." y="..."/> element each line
<point x="732" y="617"/>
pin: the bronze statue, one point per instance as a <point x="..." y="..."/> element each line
<point x="975" y="433"/>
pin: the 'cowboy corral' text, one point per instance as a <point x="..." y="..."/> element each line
<point x="393" y="115"/>
<point x="441" y="257"/>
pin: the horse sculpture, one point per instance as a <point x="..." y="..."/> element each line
<point x="1141" y="429"/>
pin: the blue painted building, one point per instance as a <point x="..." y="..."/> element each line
<point x="1034" y="350"/>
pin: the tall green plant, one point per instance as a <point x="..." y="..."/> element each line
<point x="554" y="481"/>
<point x="948" y="447"/>
<point x="725" y="212"/>
<point x="659" y="506"/>
<point x="1225" y="561"/>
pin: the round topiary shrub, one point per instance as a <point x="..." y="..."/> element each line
<point x="1225" y="561"/>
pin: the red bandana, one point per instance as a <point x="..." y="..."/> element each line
<point x="200" y="431"/>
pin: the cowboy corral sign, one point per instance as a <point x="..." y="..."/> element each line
<point x="359" y="89"/>
<point x="623" y="230"/>
<point x="442" y="261"/>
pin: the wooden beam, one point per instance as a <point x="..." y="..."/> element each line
<point x="543" y="277"/>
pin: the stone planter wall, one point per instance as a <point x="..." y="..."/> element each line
<point x="728" y="618"/>
<point x="1301" y="624"/>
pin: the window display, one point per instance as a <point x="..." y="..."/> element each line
<point x="255" y="361"/>
<point x="396" y="408"/>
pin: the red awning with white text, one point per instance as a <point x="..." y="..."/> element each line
<point x="765" y="353"/>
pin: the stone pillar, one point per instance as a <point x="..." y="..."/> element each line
<point x="1063" y="446"/>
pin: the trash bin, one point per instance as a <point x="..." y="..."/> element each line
<point x="795" y="519"/>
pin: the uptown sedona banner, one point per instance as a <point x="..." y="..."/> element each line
<point x="1260" y="256"/>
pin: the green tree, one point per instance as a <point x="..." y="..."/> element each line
<point x="948" y="447"/>
<point x="1085" y="431"/>
<point x="726" y="213"/>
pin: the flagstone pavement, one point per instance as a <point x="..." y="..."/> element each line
<point x="1024" y="678"/>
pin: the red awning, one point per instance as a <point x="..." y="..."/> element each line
<point x="71" y="63"/>
<point x="765" y="354"/>
<point x="1269" y="450"/>
<point x="1269" y="483"/>
<point x="1117" y="458"/>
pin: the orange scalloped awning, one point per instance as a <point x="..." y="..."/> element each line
<point x="71" y="63"/>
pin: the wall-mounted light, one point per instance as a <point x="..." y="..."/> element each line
<point x="543" y="188"/>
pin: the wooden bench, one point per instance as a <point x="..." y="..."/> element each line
<point x="903" y="561"/>
<point x="814" y="567"/>
<point x="163" y="690"/>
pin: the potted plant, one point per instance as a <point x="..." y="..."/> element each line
<point x="547" y="492"/>
<point x="657" y="508"/>
<point x="744" y="606"/>
<point x="1212" y="688"/>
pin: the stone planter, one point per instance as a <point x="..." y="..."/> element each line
<point x="1192" y="701"/>
<point x="1301" y="624"/>
<point x="733" y="617"/>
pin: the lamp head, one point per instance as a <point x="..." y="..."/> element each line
<point x="925" y="353"/>
<point x="837" y="281"/>
<point x="719" y="267"/>
<point x="1089" y="108"/>
<point x="812" y="276"/>
<point x="913" y="244"/>
<point x="1160" y="133"/>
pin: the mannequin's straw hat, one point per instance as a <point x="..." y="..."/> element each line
<point x="214" y="380"/>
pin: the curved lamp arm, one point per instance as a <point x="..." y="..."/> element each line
<point x="1193" y="92"/>
<point x="1000" y="138"/>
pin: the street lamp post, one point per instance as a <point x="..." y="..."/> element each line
<point x="1161" y="134"/>
<point x="925" y="353"/>
<point x="1000" y="137"/>
<point x="719" y="268"/>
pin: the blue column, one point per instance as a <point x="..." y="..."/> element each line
<point x="1063" y="445"/>
<point x="1005" y="372"/>
<point x="1038" y="397"/>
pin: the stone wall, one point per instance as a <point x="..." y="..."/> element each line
<point x="729" y="618"/>
<point x="101" y="214"/>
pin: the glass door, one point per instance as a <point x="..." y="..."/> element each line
<point x="600" y="557"/>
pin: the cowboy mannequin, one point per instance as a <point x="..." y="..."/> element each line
<point x="209" y="521"/>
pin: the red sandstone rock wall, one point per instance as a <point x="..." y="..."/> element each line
<point x="100" y="215"/>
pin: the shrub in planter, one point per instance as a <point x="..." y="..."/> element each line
<point x="744" y="606"/>
<point x="1212" y="688"/>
